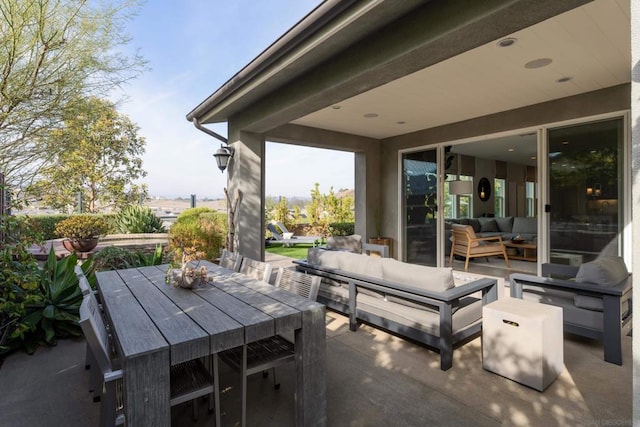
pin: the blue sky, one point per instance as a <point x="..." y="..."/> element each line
<point x="193" y="47"/>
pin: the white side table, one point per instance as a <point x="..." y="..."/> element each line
<point x="523" y="341"/>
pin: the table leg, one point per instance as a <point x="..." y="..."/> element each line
<point x="147" y="390"/>
<point x="311" y="398"/>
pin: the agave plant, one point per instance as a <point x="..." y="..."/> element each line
<point x="138" y="219"/>
<point x="55" y="315"/>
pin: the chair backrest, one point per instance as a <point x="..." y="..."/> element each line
<point x="463" y="235"/>
<point x="274" y="231"/>
<point x="230" y="260"/>
<point x="305" y="285"/>
<point x="282" y="227"/>
<point x="95" y="332"/>
<point x="83" y="283"/>
<point x="257" y="269"/>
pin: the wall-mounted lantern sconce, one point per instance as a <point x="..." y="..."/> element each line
<point x="223" y="155"/>
<point x="589" y="191"/>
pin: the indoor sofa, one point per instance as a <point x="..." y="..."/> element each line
<point x="417" y="302"/>
<point x="506" y="227"/>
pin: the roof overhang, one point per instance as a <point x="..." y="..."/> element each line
<point x="424" y="64"/>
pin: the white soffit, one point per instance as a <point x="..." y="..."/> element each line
<point x="590" y="44"/>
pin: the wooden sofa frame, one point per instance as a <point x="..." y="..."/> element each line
<point x="444" y="301"/>
<point x="614" y="325"/>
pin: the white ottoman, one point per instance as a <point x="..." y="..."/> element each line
<point x="523" y="341"/>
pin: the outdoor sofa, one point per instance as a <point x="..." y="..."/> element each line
<point x="416" y="302"/>
<point x="596" y="300"/>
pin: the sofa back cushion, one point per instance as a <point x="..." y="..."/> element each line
<point x="364" y="265"/>
<point x="436" y="279"/>
<point x="525" y="225"/>
<point x="352" y="243"/>
<point x="488" y="225"/>
<point x="605" y="271"/>
<point x="323" y="257"/>
<point x="505" y="224"/>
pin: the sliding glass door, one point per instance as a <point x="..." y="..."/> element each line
<point x="420" y="193"/>
<point x="585" y="203"/>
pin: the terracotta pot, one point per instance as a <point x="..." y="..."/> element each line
<point x="80" y="245"/>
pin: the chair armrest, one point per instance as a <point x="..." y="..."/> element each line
<point x="478" y="239"/>
<point x="517" y="280"/>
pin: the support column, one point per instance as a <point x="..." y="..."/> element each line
<point x="246" y="174"/>
<point x="367" y="191"/>
<point x="635" y="199"/>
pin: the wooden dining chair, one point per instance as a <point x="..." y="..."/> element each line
<point x="189" y="380"/>
<point x="256" y="269"/>
<point x="269" y="353"/>
<point x="230" y="260"/>
<point x="465" y="243"/>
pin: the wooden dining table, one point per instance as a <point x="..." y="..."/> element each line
<point x="157" y="325"/>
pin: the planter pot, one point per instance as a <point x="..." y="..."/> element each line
<point x="80" y="245"/>
<point x="383" y="241"/>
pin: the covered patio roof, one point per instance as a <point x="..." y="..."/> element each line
<point x="368" y="69"/>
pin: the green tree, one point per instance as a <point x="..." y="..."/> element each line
<point x="101" y="159"/>
<point x="52" y="52"/>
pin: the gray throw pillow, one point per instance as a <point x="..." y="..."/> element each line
<point x="488" y="225"/>
<point x="504" y="224"/>
<point x="605" y="271"/>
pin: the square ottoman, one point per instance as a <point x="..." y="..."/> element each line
<point x="523" y="341"/>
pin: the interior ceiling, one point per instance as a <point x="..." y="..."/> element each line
<point x="590" y="45"/>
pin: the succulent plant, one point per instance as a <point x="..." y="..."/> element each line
<point x="138" y="219"/>
<point x="82" y="227"/>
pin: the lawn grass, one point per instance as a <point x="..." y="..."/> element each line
<point x="299" y="251"/>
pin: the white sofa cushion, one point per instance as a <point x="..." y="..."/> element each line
<point x="361" y="264"/>
<point x="436" y="279"/>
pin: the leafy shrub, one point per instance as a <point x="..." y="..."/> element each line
<point x="36" y="305"/>
<point x="19" y="280"/>
<point x="342" y="228"/>
<point x="138" y="219"/>
<point x="198" y="233"/>
<point x="82" y="227"/>
<point x="116" y="257"/>
<point x="46" y="224"/>
<point x="113" y="258"/>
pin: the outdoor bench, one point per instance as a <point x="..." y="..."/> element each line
<point x="413" y="301"/>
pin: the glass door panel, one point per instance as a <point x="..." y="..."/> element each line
<point x="585" y="191"/>
<point x="420" y="186"/>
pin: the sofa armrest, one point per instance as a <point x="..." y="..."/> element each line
<point x="517" y="280"/>
<point x="561" y="270"/>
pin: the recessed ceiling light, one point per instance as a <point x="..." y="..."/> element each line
<point x="538" y="63"/>
<point x="593" y="151"/>
<point x="370" y="115"/>
<point x="565" y="142"/>
<point x="509" y="41"/>
<point x="564" y="79"/>
<point x="401" y="122"/>
<point x="511" y="149"/>
<point x="533" y="157"/>
<point x="336" y="107"/>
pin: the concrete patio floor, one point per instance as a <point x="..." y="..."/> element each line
<point x="373" y="379"/>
